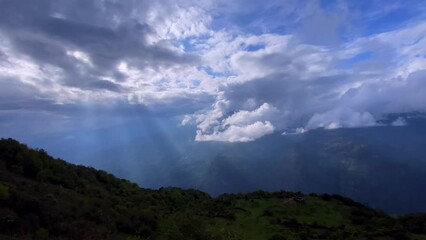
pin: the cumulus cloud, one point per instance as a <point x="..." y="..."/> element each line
<point x="234" y="133"/>
<point x="317" y="87"/>
<point x="186" y="120"/>
<point x="399" y="122"/>
<point x="292" y="66"/>
<point x="240" y="126"/>
<point x="339" y="118"/>
<point x="265" y="111"/>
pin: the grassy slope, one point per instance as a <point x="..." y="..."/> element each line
<point x="46" y="198"/>
<point x="269" y="216"/>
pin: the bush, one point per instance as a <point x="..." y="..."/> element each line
<point x="415" y="223"/>
<point x="41" y="234"/>
<point x="4" y="192"/>
<point x="277" y="237"/>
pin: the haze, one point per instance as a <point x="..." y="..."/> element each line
<point x="225" y="96"/>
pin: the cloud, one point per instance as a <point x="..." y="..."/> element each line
<point x="238" y="70"/>
<point x="186" y="120"/>
<point x="312" y="87"/>
<point x="180" y="23"/>
<point x="241" y="126"/>
<point x="399" y="122"/>
<point x="233" y="133"/>
<point x="78" y="47"/>
<point x="246" y="117"/>
<point x="322" y="26"/>
<point x="339" y="118"/>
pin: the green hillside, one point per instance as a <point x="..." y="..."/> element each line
<point x="46" y="198"/>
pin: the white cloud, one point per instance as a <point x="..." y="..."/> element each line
<point x="339" y="118"/>
<point x="187" y="119"/>
<point x="399" y="122"/>
<point x="212" y="118"/>
<point x="243" y="117"/>
<point x="242" y="126"/>
<point x="175" y="22"/>
<point x="316" y="87"/>
<point x="299" y="130"/>
<point x="81" y="56"/>
<point x="238" y="133"/>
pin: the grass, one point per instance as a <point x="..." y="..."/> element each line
<point x="254" y="218"/>
<point x="252" y="221"/>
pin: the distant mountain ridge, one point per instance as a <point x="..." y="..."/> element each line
<point x="383" y="166"/>
<point x="344" y="161"/>
<point x="46" y="198"/>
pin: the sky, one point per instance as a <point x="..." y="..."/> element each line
<point x="233" y="70"/>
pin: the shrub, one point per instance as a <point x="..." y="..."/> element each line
<point x="4" y="192"/>
<point x="41" y="234"/>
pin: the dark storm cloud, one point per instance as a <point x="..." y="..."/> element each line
<point x="46" y="31"/>
<point x="17" y="95"/>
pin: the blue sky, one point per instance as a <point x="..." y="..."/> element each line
<point x="232" y="70"/>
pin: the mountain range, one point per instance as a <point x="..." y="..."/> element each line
<point x="46" y="198"/>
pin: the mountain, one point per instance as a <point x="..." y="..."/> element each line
<point x="387" y="172"/>
<point x="382" y="166"/>
<point x="46" y="198"/>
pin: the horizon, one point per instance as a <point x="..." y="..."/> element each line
<point x="316" y="95"/>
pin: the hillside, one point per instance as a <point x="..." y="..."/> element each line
<point x="386" y="173"/>
<point x="46" y="198"/>
<point x="383" y="167"/>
